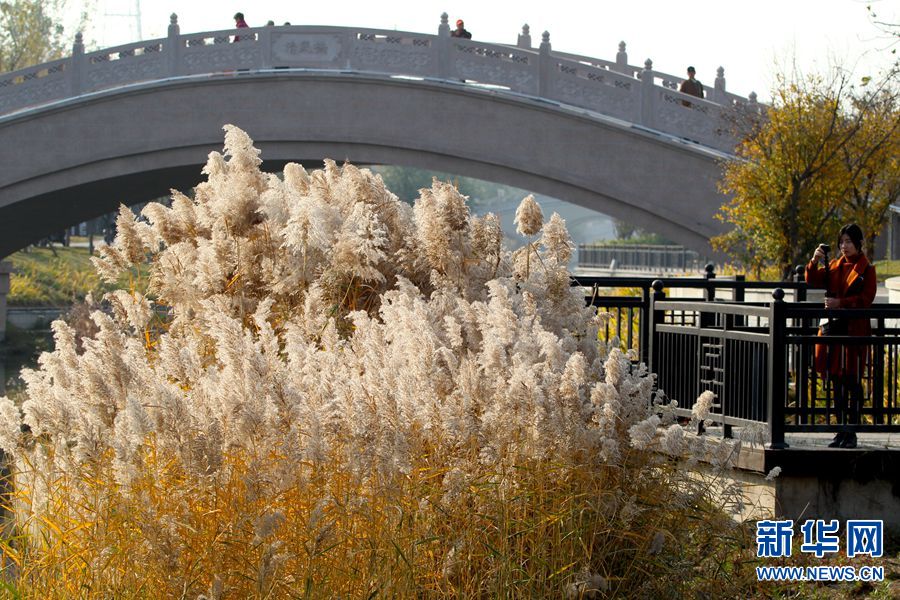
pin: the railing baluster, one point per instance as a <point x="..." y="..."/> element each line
<point x="630" y="329"/>
<point x="776" y="370"/>
<point x="876" y="368"/>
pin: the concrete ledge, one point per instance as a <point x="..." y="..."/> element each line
<point x="33" y="318"/>
<point x="820" y="483"/>
<point x="893" y="287"/>
<point x="802" y="498"/>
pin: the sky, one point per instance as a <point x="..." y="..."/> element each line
<point x="751" y="40"/>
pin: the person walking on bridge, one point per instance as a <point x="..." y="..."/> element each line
<point x="239" y="23"/>
<point x="849" y="282"/>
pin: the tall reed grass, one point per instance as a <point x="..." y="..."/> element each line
<point x="350" y="397"/>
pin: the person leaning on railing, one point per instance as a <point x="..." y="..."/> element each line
<point x="849" y="282"/>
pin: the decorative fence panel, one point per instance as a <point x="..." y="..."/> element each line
<point x="759" y="359"/>
<point x="601" y="90"/>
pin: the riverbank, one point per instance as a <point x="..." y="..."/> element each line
<point x="59" y="277"/>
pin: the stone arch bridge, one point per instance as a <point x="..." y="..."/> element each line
<point x="125" y="124"/>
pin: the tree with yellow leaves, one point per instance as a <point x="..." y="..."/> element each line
<point x="32" y="32"/>
<point x="872" y="166"/>
<point x="823" y="153"/>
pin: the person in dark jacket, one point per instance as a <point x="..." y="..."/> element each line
<point x="460" y="31"/>
<point x="690" y="85"/>
<point x="849" y="282"/>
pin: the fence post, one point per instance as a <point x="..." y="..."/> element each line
<point x="76" y="66"/>
<point x="645" y="116"/>
<point x="708" y="319"/>
<point x="740" y="290"/>
<point x="800" y="276"/>
<point x="777" y="368"/>
<point x="719" y="86"/>
<point x="802" y="355"/>
<point x="443" y="47"/>
<point x="740" y="294"/>
<point x="544" y="66"/>
<point x="524" y="40"/>
<point x="656" y="317"/>
<point x="622" y="59"/>
<point x="171" y="48"/>
<point x="644" y="325"/>
<point x="877" y="388"/>
<point x="710" y="274"/>
<point x="264" y="39"/>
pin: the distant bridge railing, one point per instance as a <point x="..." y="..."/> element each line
<point x="616" y="89"/>
<point x="639" y="257"/>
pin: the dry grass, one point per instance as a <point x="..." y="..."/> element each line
<point x="536" y="530"/>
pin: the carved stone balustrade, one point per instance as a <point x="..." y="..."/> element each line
<point x="611" y="88"/>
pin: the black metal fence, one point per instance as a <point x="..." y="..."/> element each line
<point x="814" y="399"/>
<point x="627" y="300"/>
<point x="722" y="347"/>
<point x="758" y="357"/>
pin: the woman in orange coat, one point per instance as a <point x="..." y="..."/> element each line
<point x="849" y="282"/>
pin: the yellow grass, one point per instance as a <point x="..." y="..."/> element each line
<point x="527" y="531"/>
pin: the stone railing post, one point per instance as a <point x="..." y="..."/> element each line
<point x="264" y="39"/>
<point x="719" y="88"/>
<point x="76" y="66"/>
<point x="645" y="117"/>
<point x="622" y="59"/>
<point x="524" y="40"/>
<point x="5" y="270"/>
<point x="545" y="64"/>
<point x="753" y="105"/>
<point x="172" y="47"/>
<point x="443" y="47"/>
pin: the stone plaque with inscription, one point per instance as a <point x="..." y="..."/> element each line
<point x="291" y="49"/>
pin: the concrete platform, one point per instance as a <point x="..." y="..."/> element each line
<point x="818" y="482"/>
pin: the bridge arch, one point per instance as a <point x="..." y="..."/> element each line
<point x="75" y="159"/>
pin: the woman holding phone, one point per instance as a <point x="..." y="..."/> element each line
<point x="850" y="282"/>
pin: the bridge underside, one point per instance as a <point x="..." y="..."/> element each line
<point x="73" y="161"/>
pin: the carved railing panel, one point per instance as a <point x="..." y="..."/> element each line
<point x="123" y="65"/>
<point x="39" y="92"/>
<point x="595" y="88"/>
<point x="629" y="71"/>
<point x="690" y="117"/>
<point x="36" y="85"/>
<point x="216" y="51"/>
<point x="395" y="52"/>
<point x="495" y="64"/>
